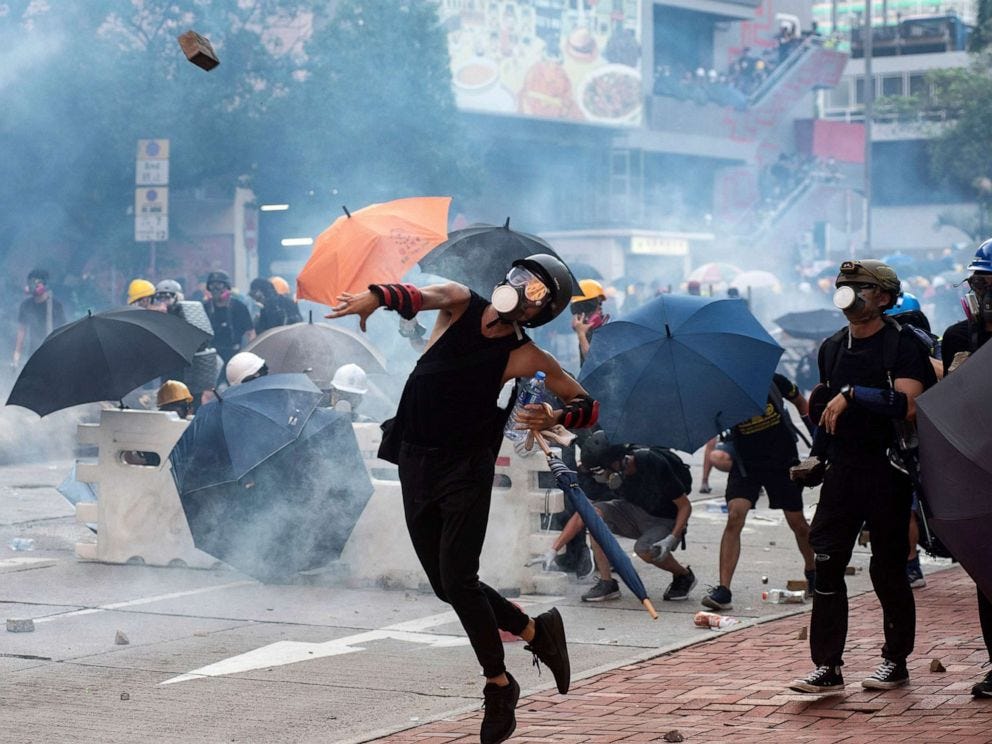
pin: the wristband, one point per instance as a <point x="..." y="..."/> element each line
<point x="405" y="299"/>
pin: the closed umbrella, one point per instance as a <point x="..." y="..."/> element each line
<point x="293" y="511"/>
<point x="955" y="430"/>
<point x="104" y="356"/>
<point x="378" y="243"/>
<point x="480" y="255"/>
<point x="317" y="349"/>
<point x="679" y="370"/>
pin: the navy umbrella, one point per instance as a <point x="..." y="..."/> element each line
<point x="568" y="482"/>
<point x="679" y="370"/>
<point x="955" y="429"/>
<point x="104" y="356"/>
<point x="814" y="325"/>
<point x="249" y="423"/>
<point x="479" y="256"/>
<point x="292" y="512"/>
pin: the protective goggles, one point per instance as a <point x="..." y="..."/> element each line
<point x="164" y="296"/>
<point x="980" y="282"/>
<point x="217" y="287"/>
<point x="534" y="290"/>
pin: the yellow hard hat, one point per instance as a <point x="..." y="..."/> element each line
<point x="173" y="391"/>
<point x="281" y="285"/>
<point x="590" y="290"/>
<point x="139" y="289"/>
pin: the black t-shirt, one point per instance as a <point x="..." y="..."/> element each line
<point x="34" y="317"/>
<point x="860" y="433"/>
<point x="230" y="323"/>
<point x="278" y="311"/>
<point x="958" y="338"/>
<point x="653" y="486"/>
<point x="766" y="440"/>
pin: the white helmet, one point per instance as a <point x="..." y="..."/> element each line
<point x="243" y="365"/>
<point x="350" y="378"/>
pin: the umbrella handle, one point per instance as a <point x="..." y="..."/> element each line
<point x="650" y="608"/>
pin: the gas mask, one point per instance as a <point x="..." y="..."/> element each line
<point x="37" y="289"/>
<point x="219" y="292"/>
<point x="848" y="296"/>
<point x="977" y="303"/>
<point x="609" y="478"/>
<point x="522" y="289"/>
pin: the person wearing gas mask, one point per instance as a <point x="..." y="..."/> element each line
<point x="587" y="313"/>
<point x="228" y="315"/>
<point x="349" y="386"/>
<point x="39" y="314"/>
<point x="651" y="506"/>
<point x="870" y="373"/>
<point x="445" y="437"/>
<point x="274" y="309"/>
<point x="959" y="341"/>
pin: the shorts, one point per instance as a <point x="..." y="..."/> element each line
<point x="783" y="493"/>
<point x="629" y="520"/>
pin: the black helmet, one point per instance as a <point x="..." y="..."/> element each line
<point x="558" y="280"/>
<point x="597" y="452"/>
<point x="218" y="277"/>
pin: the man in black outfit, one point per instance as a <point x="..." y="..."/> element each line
<point x="962" y="339"/>
<point x="38" y="315"/>
<point x="873" y="372"/>
<point x="275" y="309"/>
<point x="450" y="428"/>
<point x="228" y="315"/>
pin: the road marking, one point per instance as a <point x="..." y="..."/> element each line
<point x="292" y="652"/>
<point x="9" y="565"/>
<point x="143" y="601"/>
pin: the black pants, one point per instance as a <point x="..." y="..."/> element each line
<point x="876" y="493"/>
<point x="446" y="501"/>
<point x="985" y="618"/>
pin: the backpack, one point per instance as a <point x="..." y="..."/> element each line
<point x="890" y="350"/>
<point x="679" y="469"/>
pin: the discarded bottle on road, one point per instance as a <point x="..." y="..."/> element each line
<point x="784" y="596"/>
<point x="531" y="391"/>
<point x="714" y="620"/>
<point x="22" y="543"/>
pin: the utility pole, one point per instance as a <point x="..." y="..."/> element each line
<point x="869" y="115"/>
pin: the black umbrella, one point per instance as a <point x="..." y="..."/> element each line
<point x="104" y="357"/>
<point x="584" y="270"/>
<point x="293" y="512"/>
<point x="814" y="325"/>
<point x="480" y="255"/>
<point x="955" y="429"/>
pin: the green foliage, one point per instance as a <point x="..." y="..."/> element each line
<point x="364" y="107"/>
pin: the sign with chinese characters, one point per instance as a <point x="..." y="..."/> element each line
<point x="151" y="198"/>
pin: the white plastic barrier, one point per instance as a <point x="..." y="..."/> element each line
<point x="138" y="514"/>
<point x="379" y="551"/>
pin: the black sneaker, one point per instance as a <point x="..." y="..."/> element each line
<point x="888" y="676"/>
<point x="822" y="679"/>
<point x="585" y="565"/>
<point x="550" y="648"/>
<point x="984" y="688"/>
<point x="603" y="589"/>
<point x="719" y="598"/>
<point x="678" y="590"/>
<point x="499" y="720"/>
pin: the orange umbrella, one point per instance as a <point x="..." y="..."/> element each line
<point x="376" y="244"/>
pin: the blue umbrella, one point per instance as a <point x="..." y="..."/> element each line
<point x="568" y="482"/>
<point x="250" y="422"/>
<point x="292" y="512"/>
<point x="679" y="370"/>
<point x="901" y="262"/>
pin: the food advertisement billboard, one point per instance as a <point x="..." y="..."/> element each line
<point x="572" y="60"/>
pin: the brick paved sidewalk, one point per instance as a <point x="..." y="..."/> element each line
<point x="733" y="688"/>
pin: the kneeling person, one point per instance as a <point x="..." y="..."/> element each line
<point x="653" y="509"/>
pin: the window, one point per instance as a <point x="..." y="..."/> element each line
<point x="919" y="87"/>
<point x="840" y="97"/>
<point x="892" y="85"/>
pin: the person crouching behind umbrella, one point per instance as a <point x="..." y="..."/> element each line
<point x="445" y="436"/>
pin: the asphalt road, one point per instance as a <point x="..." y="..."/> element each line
<point x="214" y="656"/>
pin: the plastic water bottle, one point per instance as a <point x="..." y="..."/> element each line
<point x="22" y="543"/>
<point x="784" y="596"/>
<point x="531" y="391"/>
